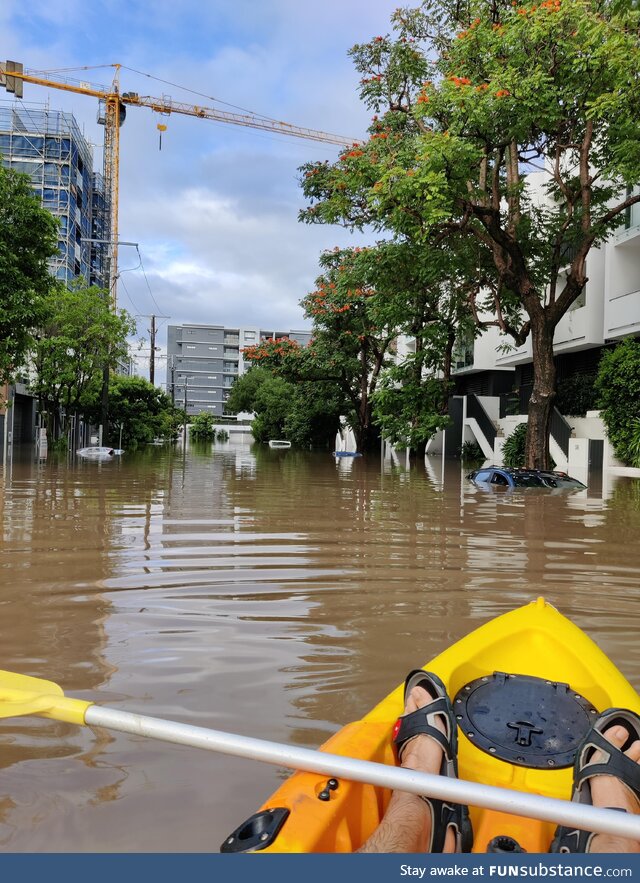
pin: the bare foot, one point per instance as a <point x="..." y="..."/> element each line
<point x="406" y="826"/>
<point x="608" y="791"/>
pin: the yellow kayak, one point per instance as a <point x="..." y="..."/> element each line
<point x="525" y="687"/>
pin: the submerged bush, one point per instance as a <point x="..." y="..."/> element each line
<point x="472" y="452"/>
<point x="202" y="428"/>
<point x="514" y="446"/>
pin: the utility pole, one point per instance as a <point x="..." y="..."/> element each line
<point x="152" y="337"/>
<point x="152" y="357"/>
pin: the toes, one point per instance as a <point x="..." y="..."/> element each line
<point x="418" y="697"/>
<point x="634" y="752"/>
<point x="617" y="735"/>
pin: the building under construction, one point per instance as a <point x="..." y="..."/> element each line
<point x="48" y="146"/>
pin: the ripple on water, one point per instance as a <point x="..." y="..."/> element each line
<point x="306" y="596"/>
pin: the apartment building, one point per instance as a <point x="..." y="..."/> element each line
<point x="205" y="360"/>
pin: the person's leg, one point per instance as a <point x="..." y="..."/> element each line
<point x="406" y="826"/>
<point x="608" y="791"/>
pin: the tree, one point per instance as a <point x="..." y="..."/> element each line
<point x="305" y="413"/>
<point x="313" y="417"/>
<point x="80" y="336"/>
<point x="474" y="96"/>
<point x="243" y="393"/>
<point x="424" y="294"/>
<point x="28" y="237"/>
<point x="267" y="396"/>
<point x="350" y="342"/>
<point x="142" y="410"/>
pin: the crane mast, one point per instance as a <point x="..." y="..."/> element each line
<point x="13" y="76"/>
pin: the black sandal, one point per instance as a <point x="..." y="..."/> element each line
<point x="422" y="723"/>
<point x="615" y="764"/>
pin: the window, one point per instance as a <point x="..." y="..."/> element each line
<point x="214" y="348"/>
<point x="484" y="475"/>
<point x="191" y="346"/>
<point x="249" y="335"/>
<point x="496" y="478"/>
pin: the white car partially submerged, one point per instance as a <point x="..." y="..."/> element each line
<point x="99" y="453"/>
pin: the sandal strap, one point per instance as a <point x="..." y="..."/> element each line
<point x="617" y="764"/>
<point x="443" y="817"/>
<point x="575" y="840"/>
<point x="417" y="723"/>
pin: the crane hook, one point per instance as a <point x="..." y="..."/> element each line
<point x="161" y="128"/>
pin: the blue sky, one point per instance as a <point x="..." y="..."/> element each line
<point x="215" y="211"/>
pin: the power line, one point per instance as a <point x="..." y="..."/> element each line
<point x="144" y="273"/>
<point x="126" y="291"/>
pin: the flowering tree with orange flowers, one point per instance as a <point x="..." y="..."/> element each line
<point x="350" y="344"/>
<point x="515" y="125"/>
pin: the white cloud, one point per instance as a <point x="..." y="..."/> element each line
<point x="214" y="212"/>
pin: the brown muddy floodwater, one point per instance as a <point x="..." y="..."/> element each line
<point x="269" y="593"/>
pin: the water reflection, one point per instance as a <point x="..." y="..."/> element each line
<point x="267" y="592"/>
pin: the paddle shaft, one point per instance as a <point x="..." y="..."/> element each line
<point x="533" y="806"/>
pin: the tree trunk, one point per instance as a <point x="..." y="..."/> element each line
<point x="542" y="396"/>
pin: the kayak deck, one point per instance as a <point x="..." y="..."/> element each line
<point x="534" y="641"/>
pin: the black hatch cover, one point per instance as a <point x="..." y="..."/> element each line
<point x="524" y="720"/>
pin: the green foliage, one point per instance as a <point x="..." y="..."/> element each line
<point x="222" y="435"/>
<point x="144" y="412"/>
<point x="471" y="452"/>
<point x="305" y="413"/>
<point x="314" y="415"/>
<point x="618" y="387"/>
<point x="271" y="405"/>
<point x="633" y="446"/>
<point x="410" y="411"/>
<point x="244" y="390"/>
<point x="467" y="96"/>
<point x="513" y="450"/>
<point x="267" y="396"/>
<point x="80" y="337"/>
<point x="28" y="237"/>
<point x="576" y="395"/>
<point x="202" y="427"/>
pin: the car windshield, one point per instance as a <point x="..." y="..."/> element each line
<point x="563" y="481"/>
<point x="529" y="481"/>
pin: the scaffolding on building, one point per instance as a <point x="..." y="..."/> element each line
<point x="49" y="147"/>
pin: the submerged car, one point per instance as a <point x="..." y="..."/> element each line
<point x="522" y="478"/>
<point x="98" y="453"/>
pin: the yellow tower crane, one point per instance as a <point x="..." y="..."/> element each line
<point x="115" y="102"/>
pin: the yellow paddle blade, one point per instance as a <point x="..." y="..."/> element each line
<point x="22" y="695"/>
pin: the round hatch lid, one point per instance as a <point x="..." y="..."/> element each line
<point x="524" y="720"/>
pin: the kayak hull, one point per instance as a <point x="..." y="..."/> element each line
<point x="535" y="641"/>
